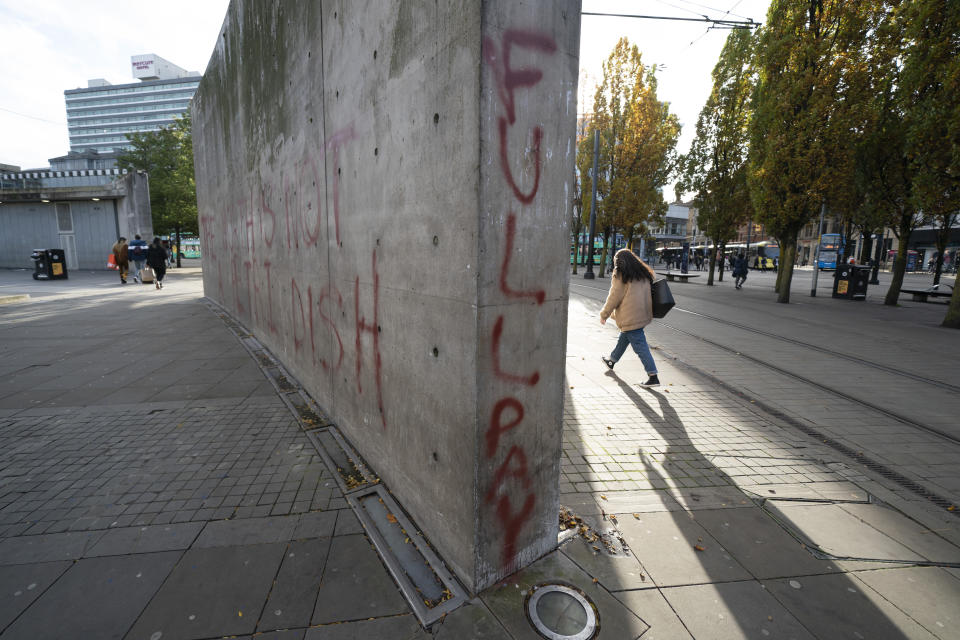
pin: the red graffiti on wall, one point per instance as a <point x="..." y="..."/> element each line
<point x="514" y="466"/>
<point x="373" y="328"/>
<point x="337" y="140"/>
<point x="529" y="380"/>
<point x="329" y="292"/>
<point x="537" y="295"/>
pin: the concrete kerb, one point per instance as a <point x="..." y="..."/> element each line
<point x="355" y="481"/>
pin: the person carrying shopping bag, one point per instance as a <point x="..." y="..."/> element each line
<point x="630" y="302"/>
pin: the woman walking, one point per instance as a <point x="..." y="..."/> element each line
<point x="630" y="301"/>
<point x="157" y="260"/>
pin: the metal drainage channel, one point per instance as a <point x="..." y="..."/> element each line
<point x="561" y="612"/>
<point x="428" y="586"/>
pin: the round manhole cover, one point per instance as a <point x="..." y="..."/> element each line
<point x="559" y="612"/>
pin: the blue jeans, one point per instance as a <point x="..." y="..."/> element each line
<point x="638" y="341"/>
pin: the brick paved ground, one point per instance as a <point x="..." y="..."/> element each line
<point x="153" y="485"/>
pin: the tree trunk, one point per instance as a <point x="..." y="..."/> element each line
<point x="899" y="266"/>
<point x="866" y="247"/>
<point x="713" y="264"/>
<point x="721" y="253"/>
<point x="943" y="235"/>
<point x="952" y="320"/>
<point x="787" y="255"/>
<point x="178" y="244"/>
<point x="603" y="252"/>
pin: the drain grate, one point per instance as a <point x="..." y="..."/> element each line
<point x="426" y="584"/>
<point x="352" y="473"/>
<point x="561" y="612"/>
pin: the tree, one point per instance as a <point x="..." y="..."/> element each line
<point x="800" y="152"/>
<point x="638" y="137"/>
<point x="167" y="157"/>
<point x="715" y="168"/>
<point x="930" y="82"/>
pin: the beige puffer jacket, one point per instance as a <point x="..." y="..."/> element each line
<point x="631" y="303"/>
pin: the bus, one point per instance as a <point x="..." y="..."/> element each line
<point x="831" y="248"/>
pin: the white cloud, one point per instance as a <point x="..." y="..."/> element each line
<point x="60" y="44"/>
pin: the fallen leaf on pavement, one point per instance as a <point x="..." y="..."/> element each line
<point x="637" y="516"/>
<point x="391" y="518"/>
<point x="699" y="547"/>
<point x="595" y="581"/>
<point x="603" y="496"/>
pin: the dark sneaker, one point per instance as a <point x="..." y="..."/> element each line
<point x="653" y="381"/>
<point x="608" y="362"/>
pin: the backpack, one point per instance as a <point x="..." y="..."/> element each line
<point x="138" y="253"/>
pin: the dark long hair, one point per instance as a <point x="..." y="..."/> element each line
<point x="627" y="266"/>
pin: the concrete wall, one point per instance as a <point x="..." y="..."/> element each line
<point x="133" y="210"/>
<point x="384" y="194"/>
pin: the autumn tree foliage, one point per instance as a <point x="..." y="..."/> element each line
<point x="930" y="89"/>
<point x="715" y="168"/>
<point x="800" y="148"/>
<point x="638" y="137"/>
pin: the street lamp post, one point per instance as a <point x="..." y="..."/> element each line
<point x="588" y="274"/>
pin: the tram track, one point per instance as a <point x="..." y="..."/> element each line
<point x="899" y="417"/>
<point x="869" y="462"/>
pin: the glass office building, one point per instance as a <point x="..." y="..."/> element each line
<point x="100" y="116"/>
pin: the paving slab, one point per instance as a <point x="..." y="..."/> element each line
<point x="347" y="523"/>
<point x="665" y="545"/>
<point x="355" y="584"/>
<point x="929" y="595"/>
<point x="21" y="584"/>
<point x="46" y="548"/>
<point x="506" y="600"/>
<point x="615" y="572"/>
<point x="127" y="540"/>
<point x="295" y="588"/>
<point x="711" y="498"/>
<point x="212" y="592"/>
<point x="472" y="620"/>
<point x="95" y="598"/>
<point x="286" y="634"/>
<point x="837" y="606"/>
<point x="835" y="531"/>
<point x="734" y="611"/>
<point x="909" y="533"/>
<point x="245" y="531"/>
<point x="401" y="627"/>
<point x="316" y="524"/>
<point x="651" y="607"/>
<point x="592" y="504"/>
<point x="761" y="545"/>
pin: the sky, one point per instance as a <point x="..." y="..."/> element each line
<point x="65" y="43"/>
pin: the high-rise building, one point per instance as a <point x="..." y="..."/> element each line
<point x="100" y="116"/>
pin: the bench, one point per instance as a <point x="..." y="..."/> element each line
<point x="921" y="295"/>
<point x="672" y="275"/>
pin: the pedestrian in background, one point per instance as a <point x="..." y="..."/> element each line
<point x="630" y="301"/>
<point x="739" y="271"/>
<point x="157" y="260"/>
<point x="138" y="253"/>
<point x="121" y="255"/>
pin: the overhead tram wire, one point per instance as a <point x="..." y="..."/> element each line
<point x="729" y="24"/>
<point x="728" y="12"/>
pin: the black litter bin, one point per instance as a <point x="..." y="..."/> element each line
<point x="850" y="282"/>
<point x="49" y="264"/>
